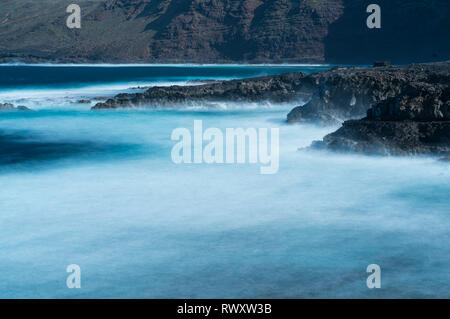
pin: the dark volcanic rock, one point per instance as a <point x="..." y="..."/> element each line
<point x="6" y="107"/>
<point x="334" y="96"/>
<point x="344" y="93"/>
<point x="281" y="88"/>
<point x="407" y="108"/>
<point x="84" y="101"/>
<point x="23" y="108"/>
<point x="200" y="81"/>
<point x="415" y="121"/>
<point x="416" y="102"/>
<point x="11" y="107"/>
<point x="389" y="138"/>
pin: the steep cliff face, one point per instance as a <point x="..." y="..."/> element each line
<point x="411" y="31"/>
<point x="224" y="31"/>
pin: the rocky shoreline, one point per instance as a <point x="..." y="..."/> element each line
<point x="11" y="107"/>
<point x="389" y="138"/>
<point x="347" y="93"/>
<point x="389" y="110"/>
<point x="414" y="122"/>
<point x="277" y="89"/>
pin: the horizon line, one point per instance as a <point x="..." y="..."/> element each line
<point x="164" y="64"/>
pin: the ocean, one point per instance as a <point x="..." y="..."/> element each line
<point x="99" y="189"/>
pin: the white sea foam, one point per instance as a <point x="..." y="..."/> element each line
<point x="100" y="190"/>
<point x="140" y="226"/>
<point x="64" y="97"/>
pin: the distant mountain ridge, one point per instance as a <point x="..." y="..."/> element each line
<point x="224" y="31"/>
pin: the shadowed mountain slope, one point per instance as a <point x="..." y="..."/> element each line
<point x="224" y="31"/>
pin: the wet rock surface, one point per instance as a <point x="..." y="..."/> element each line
<point x="347" y="93"/>
<point x="404" y="109"/>
<point x="11" y="107"/>
<point x="389" y="138"/>
<point x="277" y="89"/>
<point x="414" y="121"/>
<point x="333" y="96"/>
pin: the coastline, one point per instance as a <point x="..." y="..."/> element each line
<point x="333" y="96"/>
<point x="98" y="188"/>
<point x="170" y="64"/>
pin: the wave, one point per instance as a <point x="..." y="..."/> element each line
<point x="217" y="106"/>
<point x="49" y="97"/>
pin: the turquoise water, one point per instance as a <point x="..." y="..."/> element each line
<point x="99" y="189"/>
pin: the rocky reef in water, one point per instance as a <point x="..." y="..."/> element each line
<point x="11" y="107"/>
<point x="389" y="138"/>
<point x="277" y="89"/>
<point x="333" y="96"/>
<point x="416" y="121"/>
<point x="390" y="110"/>
<point x="347" y="93"/>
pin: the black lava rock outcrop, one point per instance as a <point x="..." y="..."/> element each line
<point x="389" y="138"/>
<point x="333" y="96"/>
<point x="11" y="107"/>
<point x="415" y="122"/>
<point x="278" y="89"/>
<point x="405" y="109"/>
<point x="347" y="93"/>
